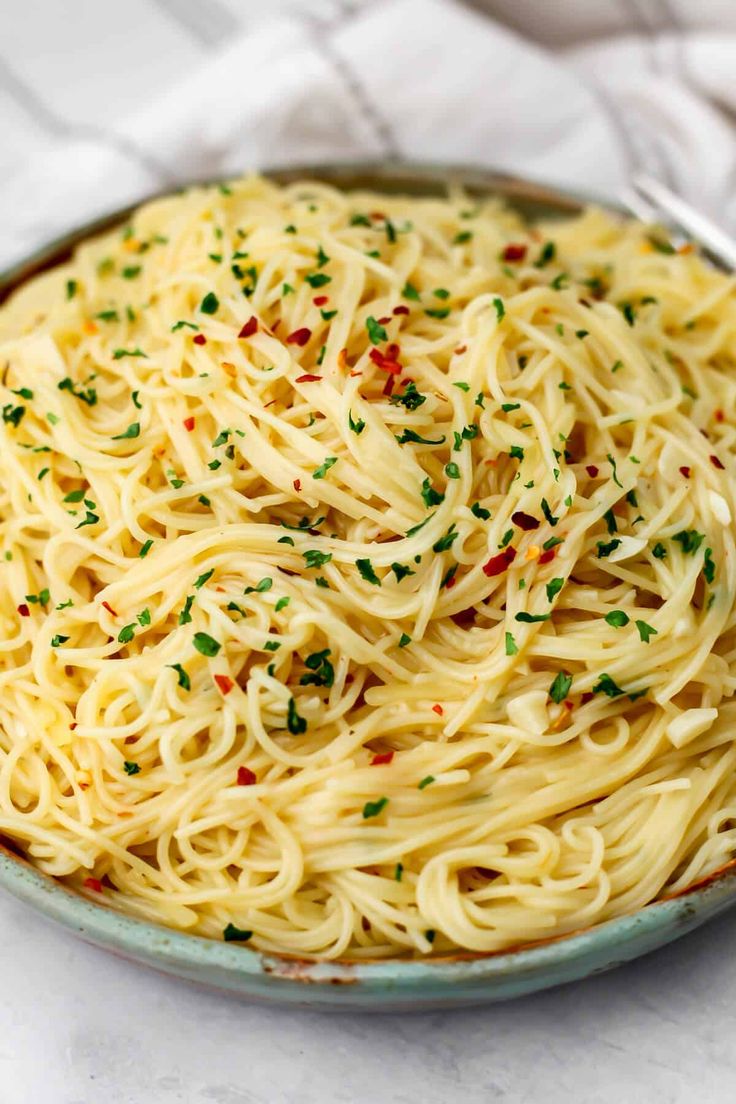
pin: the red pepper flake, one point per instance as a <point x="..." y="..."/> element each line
<point x="266" y="405"/>
<point x="516" y="251"/>
<point x="274" y="326"/>
<point x="23" y="610"/>
<point x="388" y="386"/>
<point x="349" y="680"/>
<point x="299" y="337"/>
<point x="547" y="556"/>
<point x="246" y="777"/>
<point x="460" y="350"/>
<point x="189" y="424"/>
<point x="498" y="564"/>
<point x="438" y="710"/>
<point x="450" y="582"/>
<point x="93" y="883"/>
<point x="320" y="300"/>
<point x="72" y="726"/>
<point x="717" y="463"/>
<point x="382" y="759"/>
<point x="401" y="309"/>
<point x="250" y="327"/>
<point x="355" y="374"/>
<point x="385" y="363"/>
<point x="592" y="470"/>
<point x="224" y="683"/>
<point x="392" y="351"/>
<point x="464" y="619"/>
<point x="586" y="697"/>
<point x="378" y="215"/>
<point x="308" y="377"/>
<point x="685" y="470"/>
<point x="382" y="321"/>
<point x="524" y="521"/>
<point x="297" y="484"/>
<point x="199" y="339"/>
<point x="109" y="609"/>
<point x="718" y="415"/>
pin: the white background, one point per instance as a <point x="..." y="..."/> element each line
<point x="80" y="1027"/>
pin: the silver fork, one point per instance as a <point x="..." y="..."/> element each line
<point x="652" y="201"/>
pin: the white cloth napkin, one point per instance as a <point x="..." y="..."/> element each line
<point x="430" y="80"/>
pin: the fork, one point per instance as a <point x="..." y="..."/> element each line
<point x="652" y="201"/>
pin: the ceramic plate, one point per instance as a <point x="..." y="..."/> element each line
<point x="393" y="984"/>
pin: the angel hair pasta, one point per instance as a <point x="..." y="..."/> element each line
<point x="367" y="570"/>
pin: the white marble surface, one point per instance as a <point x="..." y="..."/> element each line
<point x="78" y="1026"/>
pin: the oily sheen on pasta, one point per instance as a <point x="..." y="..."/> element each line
<point x="367" y="570"/>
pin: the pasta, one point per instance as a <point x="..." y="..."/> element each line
<point x="367" y="570"/>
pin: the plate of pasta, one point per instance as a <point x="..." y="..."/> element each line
<point x="368" y="585"/>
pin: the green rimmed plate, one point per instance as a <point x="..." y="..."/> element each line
<point x="389" y="985"/>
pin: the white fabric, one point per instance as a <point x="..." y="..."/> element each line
<point x="620" y="86"/>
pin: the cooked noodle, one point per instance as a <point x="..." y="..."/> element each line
<point x="368" y="579"/>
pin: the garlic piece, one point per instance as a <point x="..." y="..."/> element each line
<point x="689" y="724"/>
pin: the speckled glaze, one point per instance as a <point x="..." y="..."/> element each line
<point x="395" y="984"/>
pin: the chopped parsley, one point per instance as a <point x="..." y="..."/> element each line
<point x="531" y="618"/>
<point x="296" y="725"/>
<point x="321" y="672"/>
<point x="321" y="471"/>
<point x="645" y="631"/>
<point x="131" y="768"/>
<point x="210" y="304"/>
<point x="131" y="432"/>
<point x="365" y="567"/>
<point x="690" y="540"/>
<point x="511" y="647"/>
<point x="231" y="934"/>
<point x="560" y="687"/>
<point x="118" y="354"/>
<point x="373" y="808"/>
<point x="183" y="679"/>
<point x="410" y="437"/>
<point x="547" y="254"/>
<point x="376" y="332"/>
<point x="185" y="616"/>
<point x="554" y="586"/>
<point x="548" y="513"/>
<point x="607" y="686"/>
<point x="617" y="619"/>
<point x="313" y="558"/>
<point x="605" y="548"/>
<point x="205" y="644"/>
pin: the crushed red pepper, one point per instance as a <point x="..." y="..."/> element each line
<point x="525" y="521"/>
<point x="498" y="564"/>
<point x="299" y="337"/>
<point x="383" y="758"/>
<point x="246" y="777"/>
<point x="250" y="327"/>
